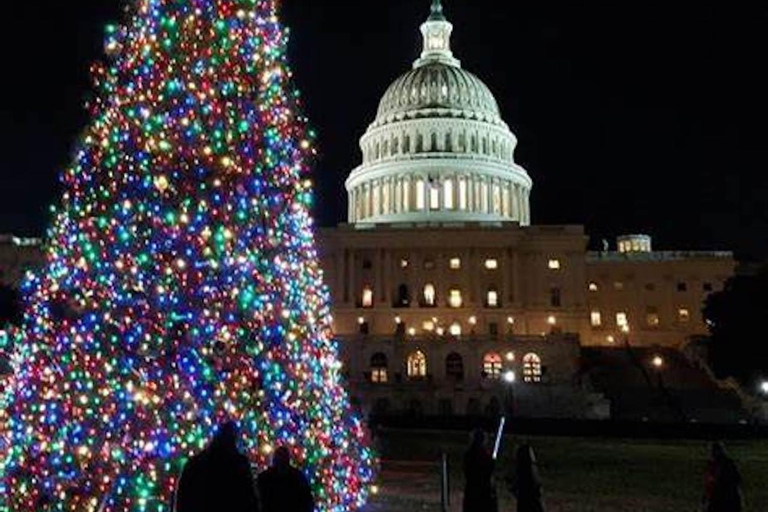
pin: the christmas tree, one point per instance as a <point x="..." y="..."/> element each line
<point x="181" y="288"/>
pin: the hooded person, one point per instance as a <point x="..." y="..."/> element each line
<point x="218" y="478"/>
<point x="284" y="488"/>
<point x="479" y="494"/>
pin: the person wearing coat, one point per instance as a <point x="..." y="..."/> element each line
<point x="526" y="483"/>
<point x="218" y="478"/>
<point x="722" y="486"/>
<point x="479" y="493"/>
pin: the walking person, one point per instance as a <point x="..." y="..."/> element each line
<point x="218" y="478"/>
<point x="722" y="486"/>
<point x="479" y="493"/>
<point x="526" y="483"/>
<point x="283" y="488"/>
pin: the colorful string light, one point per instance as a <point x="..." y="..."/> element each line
<point x="182" y="287"/>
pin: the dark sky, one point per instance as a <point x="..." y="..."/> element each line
<point x="644" y="116"/>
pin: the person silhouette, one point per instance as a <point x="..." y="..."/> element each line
<point x="526" y="483"/>
<point x="479" y="494"/>
<point x="283" y="488"/>
<point x="722" y="487"/>
<point x="218" y="478"/>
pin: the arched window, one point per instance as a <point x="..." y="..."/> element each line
<point x="395" y="146"/>
<point x="455" y="299"/>
<point x="379" y="368"/>
<point x="419" y="143"/>
<point x="449" y="142"/>
<point x="367" y="301"/>
<point x="417" y="365"/>
<point x="385" y="151"/>
<point x="430" y="296"/>
<point x="532" y="368"/>
<point x="454" y="367"/>
<point x="448" y="194"/>
<point x="421" y="195"/>
<point x="403" y="296"/>
<point x="407" y="144"/>
<point x="433" y="143"/>
<point x="378" y="150"/>
<point x="492" y="366"/>
<point x="492" y="298"/>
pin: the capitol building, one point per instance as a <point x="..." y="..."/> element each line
<point x="449" y="299"/>
<point x="446" y="292"/>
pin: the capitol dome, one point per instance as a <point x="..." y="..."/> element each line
<point x="438" y="150"/>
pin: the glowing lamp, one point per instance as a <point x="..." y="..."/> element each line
<point x="658" y="361"/>
<point x="509" y="377"/>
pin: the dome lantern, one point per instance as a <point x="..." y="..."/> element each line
<point x="438" y="150"/>
<point x="437" y="32"/>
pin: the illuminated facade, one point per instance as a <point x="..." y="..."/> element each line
<point x="444" y="293"/>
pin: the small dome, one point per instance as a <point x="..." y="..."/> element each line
<point x="438" y="90"/>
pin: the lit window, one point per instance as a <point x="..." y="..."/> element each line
<point x="492" y="299"/>
<point x="455" y="329"/>
<point x="454" y="299"/>
<point x="417" y="365"/>
<point x="455" y="263"/>
<point x="593" y="287"/>
<point x="434" y="196"/>
<point x="421" y="195"/>
<point x="596" y="319"/>
<point x="684" y="315"/>
<point x="554" y="264"/>
<point x="618" y="285"/>
<point x="379" y="367"/>
<point x="473" y="320"/>
<point x="492" y="366"/>
<point x="622" y="320"/>
<point x="367" y="297"/>
<point x="491" y="264"/>
<point x="463" y="194"/>
<point x="532" y="368"/>
<point x="429" y="295"/>
<point x="448" y="194"/>
<point x="552" y="320"/>
<point x="428" y="325"/>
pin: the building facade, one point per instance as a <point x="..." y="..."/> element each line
<point x="447" y="299"/>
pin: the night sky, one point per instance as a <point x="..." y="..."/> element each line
<point x="632" y="116"/>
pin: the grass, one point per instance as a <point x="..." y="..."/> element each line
<point x="586" y="474"/>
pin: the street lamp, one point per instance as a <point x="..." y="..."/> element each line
<point x="510" y="377"/>
<point x="658" y="362"/>
<point x="764" y="387"/>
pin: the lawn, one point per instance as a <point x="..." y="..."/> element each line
<point x="579" y="474"/>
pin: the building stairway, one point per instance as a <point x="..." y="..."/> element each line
<point x="674" y="391"/>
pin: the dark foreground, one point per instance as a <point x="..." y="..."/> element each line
<point x="579" y="474"/>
